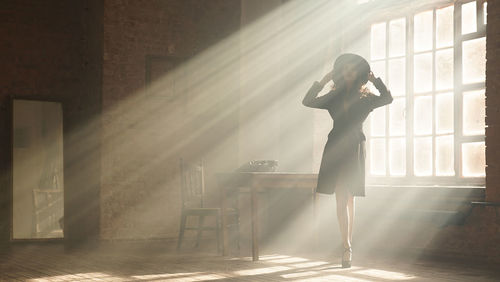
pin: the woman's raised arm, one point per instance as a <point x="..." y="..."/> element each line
<point x="385" y="95"/>
<point x="312" y="100"/>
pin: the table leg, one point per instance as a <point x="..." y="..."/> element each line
<point x="315" y="219"/>
<point x="224" y="233"/>
<point x="255" y="221"/>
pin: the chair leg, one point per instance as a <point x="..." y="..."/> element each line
<point x="237" y="215"/>
<point x="238" y="235"/>
<point x="218" y="228"/>
<point x="201" y="220"/>
<point x="181" y="231"/>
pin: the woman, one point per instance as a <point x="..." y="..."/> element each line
<point x="342" y="168"/>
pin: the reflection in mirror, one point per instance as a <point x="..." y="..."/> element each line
<point x="37" y="170"/>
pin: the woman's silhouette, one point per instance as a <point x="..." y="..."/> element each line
<point x="342" y="168"/>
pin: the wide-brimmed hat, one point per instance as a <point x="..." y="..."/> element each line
<point x="361" y="64"/>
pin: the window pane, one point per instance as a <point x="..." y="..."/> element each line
<point x="397" y="38"/>
<point x="473" y="159"/>
<point x="444" y="156"/>
<point x="423" y="156"/>
<point x="423" y="31"/>
<point x="397" y="156"/>
<point x="474" y="113"/>
<point x="485" y="12"/>
<point x="397" y="77"/>
<point x="444" y="69"/>
<point x="474" y="60"/>
<point x="422" y="80"/>
<point x="444" y="113"/>
<point x="397" y="117"/>
<point x="377" y="122"/>
<point x="377" y="156"/>
<point x="378" y="41"/>
<point x="423" y="115"/>
<point x="378" y="69"/>
<point x="469" y="17"/>
<point x="444" y="27"/>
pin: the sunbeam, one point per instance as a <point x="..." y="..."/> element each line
<point x="249" y="139"/>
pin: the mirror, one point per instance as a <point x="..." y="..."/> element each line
<point x="37" y="177"/>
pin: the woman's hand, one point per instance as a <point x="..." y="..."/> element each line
<point x="326" y="78"/>
<point x="371" y="77"/>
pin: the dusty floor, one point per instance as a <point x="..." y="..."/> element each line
<point x="52" y="263"/>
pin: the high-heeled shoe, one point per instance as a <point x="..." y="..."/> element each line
<point x="347" y="258"/>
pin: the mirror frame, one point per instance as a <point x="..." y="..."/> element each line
<point x="11" y="167"/>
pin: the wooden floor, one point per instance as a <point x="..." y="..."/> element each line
<point x="52" y="263"/>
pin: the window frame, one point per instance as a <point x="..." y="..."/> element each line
<point x="388" y="14"/>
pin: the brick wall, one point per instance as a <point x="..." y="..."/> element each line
<point x="493" y="103"/>
<point x="50" y="50"/>
<point x="145" y="131"/>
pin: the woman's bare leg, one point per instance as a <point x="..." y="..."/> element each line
<point x="350" y="206"/>
<point x="342" y="197"/>
<point x="343" y="215"/>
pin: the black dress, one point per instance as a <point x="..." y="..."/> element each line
<point x="343" y="160"/>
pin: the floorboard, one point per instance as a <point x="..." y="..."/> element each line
<point x="158" y="263"/>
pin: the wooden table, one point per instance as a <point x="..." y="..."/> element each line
<point x="256" y="182"/>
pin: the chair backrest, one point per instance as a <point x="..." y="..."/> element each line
<point x="192" y="184"/>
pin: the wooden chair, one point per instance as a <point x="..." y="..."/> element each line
<point x="192" y="194"/>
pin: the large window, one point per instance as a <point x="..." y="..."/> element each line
<point x="433" y="61"/>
